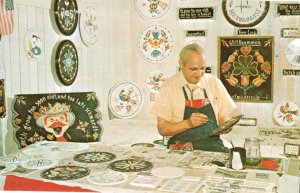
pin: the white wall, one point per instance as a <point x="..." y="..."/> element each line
<point x="115" y="56"/>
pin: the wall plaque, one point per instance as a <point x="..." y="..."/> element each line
<point x="195" y="33"/>
<point x="246" y="67"/>
<point x="288" y="9"/>
<point x="290" y="72"/>
<point x="290" y="33"/>
<point x="247" y="31"/>
<point x="56" y="117"/>
<point x="196" y="13"/>
<point x="292" y="52"/>
<point x="241" y="13"/>
<point x="2" y="99"/>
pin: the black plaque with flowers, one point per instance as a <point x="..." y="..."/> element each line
<point x="66" y="61"/>
<point x="56" y="117"/>
<point x="246" y="67"/>
<point x="66" y="16"/>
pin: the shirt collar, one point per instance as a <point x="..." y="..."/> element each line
<point x="183" y="81"/>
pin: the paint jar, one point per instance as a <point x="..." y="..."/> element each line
<point x="252" y="147"/>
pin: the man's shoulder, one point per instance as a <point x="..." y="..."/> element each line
<point x="209" y="78"/>
<point x="173" y="80"/>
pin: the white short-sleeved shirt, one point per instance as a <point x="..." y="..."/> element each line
<point x="170" y="101"/>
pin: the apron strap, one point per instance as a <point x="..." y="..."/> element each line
<point x="185" y="94"/>
<point x="205" y="94"/>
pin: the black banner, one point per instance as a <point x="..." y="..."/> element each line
<point x="290" y="72"/>
<point x="288" y="9"/>
<point x="196" y="13"/>
<point x="247" y="32"/>
<point x="195" y="33"/>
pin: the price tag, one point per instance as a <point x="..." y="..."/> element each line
<point x="291" y="149"/>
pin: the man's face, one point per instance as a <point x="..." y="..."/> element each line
<point x="56" y="124"/>
<point x="194" y="67"/>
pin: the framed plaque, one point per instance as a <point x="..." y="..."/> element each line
<point x="66" y="16"/>
<point x="246" y="67"/>
<point x="288" y="9"/>
<point x="66" y="61"/>
<point x="292" y="149"/>
<point x="242" y="13"/>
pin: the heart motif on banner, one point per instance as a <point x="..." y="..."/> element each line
<point x="246" y="50"/>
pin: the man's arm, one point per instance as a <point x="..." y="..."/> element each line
<point x="168" y="128"/>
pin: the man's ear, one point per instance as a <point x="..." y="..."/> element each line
<point x="181" y="64"/>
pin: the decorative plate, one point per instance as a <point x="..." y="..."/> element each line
<point x="65" y="173"/>
<point x="293" y="52"/>
<point x="286" y="113"/>
<point x="168" y="172"/>
<point x="159" y="142"/>
<point x="130" y="165"/>
<point x="242" y="13"/>
<point x="36" y="151"/>
<point x="66" y="62"/>
<point x="38" y="163"/>
<point x="125" y="100"/>
<point x="7" y="168"/>
<point x="57" y="155"/>
<point x="33" y="45"/>
<point x="152" y="9"/>
<point x="155" y="43"/>
<point x="69" y="146"/>
<point x="143" y="144"/>
<point x="66" y="16"/>
<point x="13" y="158"/>
<point x="107" y="178"/>
<point x="94" y="157"/>
<point x="89" y="28"/>
<point x="154" y="80"/>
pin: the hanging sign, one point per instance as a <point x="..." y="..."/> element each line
<point x="290" y="33"/>
<point x="290" y="72"/>
<point x="288" y="9"/>
<point x="195" y="33"/>
<point x="247" y="31"/>
<point x="196" y="13"/>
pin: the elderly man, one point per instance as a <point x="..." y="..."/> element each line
<point x="191" y="104"/>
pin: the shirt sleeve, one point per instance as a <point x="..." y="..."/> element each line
<point x="162" y="106"/>
<point x="227" y="105"/>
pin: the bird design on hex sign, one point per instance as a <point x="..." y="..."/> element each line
<point x="287" y="113"/>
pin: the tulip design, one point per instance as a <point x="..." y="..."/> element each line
<point x="245" y="79"/>
<point x="258" y="81"/>
<point x="232" y="80"/>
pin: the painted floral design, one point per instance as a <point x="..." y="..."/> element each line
<point x="154" y="80"/>
<point x="94" y="157"/>
<point x="152" y="8"/>
<point x="246" y="69"/>
<point x="286" y="113"/>
<point x="65" y="173"/>
<point x="155" y="43"/>
<point x="130" y="165"/>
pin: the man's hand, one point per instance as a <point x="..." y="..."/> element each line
<point x="197" y="119"/>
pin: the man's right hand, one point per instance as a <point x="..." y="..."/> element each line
<point x="197" y="119"/>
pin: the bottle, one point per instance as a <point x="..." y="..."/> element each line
<point x="252" y="151"/>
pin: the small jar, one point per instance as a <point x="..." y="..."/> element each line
<point x="252" y="151"/>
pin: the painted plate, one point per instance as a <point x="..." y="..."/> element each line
<point x="286" y="113"/>
<point x="143" y="144"/>
<point x="130" y="165"/>
<point x="107" y="178"/>
<point x="36" y="151"/>
<point x="154" y="80"/>
<point x="65" y="173"/>
<point x="152" y="9"/>
<point x="125" y="100"/>
<point x="38" y="163"/>
<point x="168" y="172"/>
<point x="66" y="16"/>
<point x="70" y="146"/>
<point x="7" y="168"/>
<point x="33" y="44"/>
<point x="66" y="62"/>
<point x="242" y="13"/>
<point x="89" y="28"/>
<point x="155" y="43"/>
<point x="94" y="157"/>
<point x="293" y="52"/>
